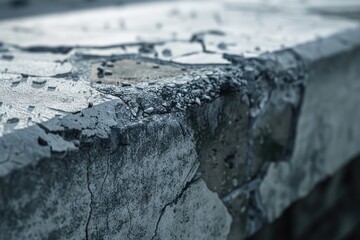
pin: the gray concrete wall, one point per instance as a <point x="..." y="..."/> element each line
<point x="206" y="143"/>
<point x="330" y="211"/>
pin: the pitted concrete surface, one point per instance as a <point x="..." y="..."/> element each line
<point x="44" y="46"/>
<point x="181" y="120"/>
<point x="127" y="72"/>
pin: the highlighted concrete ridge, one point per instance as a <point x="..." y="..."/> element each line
<point x="116" y="127"/>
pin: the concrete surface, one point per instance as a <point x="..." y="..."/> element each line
<point x="337" y="217"/>
<point x="176" y="120"/>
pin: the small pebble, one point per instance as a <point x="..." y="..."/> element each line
<point x="31" y="108"/>
<point x="15" y="82"/>
<point x="166" y="52"/>
<point x="39" y="81"/>
<point x="178" y="106"/>
<point x="100" y="69"/>
<point x="133" y="112"/>
<point x="149" y="110"/>
<point x="207" y="97"/>
<point x="108" y="72"/>
<point x="166" y="104"/>
<point x="13" y="120"/>
<point x="109" y="64"/>
<point x="198" y="101"/>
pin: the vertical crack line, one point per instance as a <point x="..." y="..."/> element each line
<point x="106" y="174"/>
<point x="91" y="200"/>
<point x="8" y="158"/>
<point x="159" y="219"/>
<point x="130" y="220"/>
<point x="183" y="131"/>
<point x="176" y="199"/>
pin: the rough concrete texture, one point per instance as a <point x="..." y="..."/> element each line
<point x="337" y="217"/>
<point x="116" y="128"/>
<point x="324" y="135"/>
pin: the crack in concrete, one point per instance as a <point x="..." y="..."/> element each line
<point x="58" y="110"/>
<point x="199" y="38"/>
<point x="245" y="189"/>
<point x="91" y="198"/>
<point x="220" y="85"/>
<point x="6" y="160"/>
<point x="106" y="174"/>
<point x="130" y="221"/>
<point x="173" y="202"/>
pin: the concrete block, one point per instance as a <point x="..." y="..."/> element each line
<point x="176" y="120"/>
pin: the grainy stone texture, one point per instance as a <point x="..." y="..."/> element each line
<point x="118" y="128"/>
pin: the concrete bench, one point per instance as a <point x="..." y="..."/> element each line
<point x="173" y="120"/>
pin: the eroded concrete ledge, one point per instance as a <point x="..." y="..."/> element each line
<point x="114" y="152"/>
<point x="211" y="150"/>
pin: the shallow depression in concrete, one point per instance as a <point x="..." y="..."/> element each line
<point x="130" y="71"/>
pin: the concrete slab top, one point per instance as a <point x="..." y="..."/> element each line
<point x="49" y="63"/>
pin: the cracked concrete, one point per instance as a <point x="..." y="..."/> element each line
<point x="187" y="219"/>
<point x="42" y="47"/>
<point x="191" y="133"/>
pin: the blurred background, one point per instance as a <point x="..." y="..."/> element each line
<point x="21" y="8"/>
<point x="18" y="8"/>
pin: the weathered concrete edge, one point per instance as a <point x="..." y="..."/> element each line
<point x="332" y="64"/>
<point x="30" y="137"/>
<point x="310" y="52"/>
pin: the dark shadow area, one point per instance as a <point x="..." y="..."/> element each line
<point x="331" y="211"/>
<point x="347" y="13"/>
